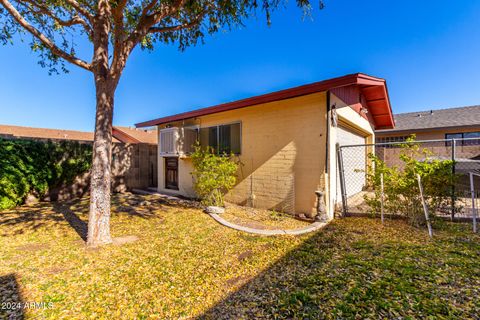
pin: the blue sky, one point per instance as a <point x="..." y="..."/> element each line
<point x="429" y="52"/>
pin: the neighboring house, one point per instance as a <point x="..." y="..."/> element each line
<point x="461" y="123"/>
<point x="458" y="123"/>
<point x="286" y="141"/>
<point x="120" y="134"/>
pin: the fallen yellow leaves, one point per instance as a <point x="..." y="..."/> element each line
<point x="185" y="265"/>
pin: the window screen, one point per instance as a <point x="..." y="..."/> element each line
<point x="390" y="140"/>
<point x="229" y="138"/>
<point x="223" y="138"/>
<point x="453" y="136"/>
<point x="464" y="135"/>
<point x="209" y="138"/>
<point x="471" y="135"/>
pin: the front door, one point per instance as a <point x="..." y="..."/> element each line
<point x="171" y="173"/>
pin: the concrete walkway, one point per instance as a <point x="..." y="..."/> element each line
<point x="275" y="232"/>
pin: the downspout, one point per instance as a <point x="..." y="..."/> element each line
<point x="328" y="154"/>
<point x="321" y="196"/>
<point x="321" y="214"/>
<point x="327" y="134"/>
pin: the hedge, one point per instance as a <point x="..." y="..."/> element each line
<point x="35" y="167"/>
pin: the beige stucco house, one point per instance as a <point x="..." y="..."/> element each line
<point x="286" y="141"/>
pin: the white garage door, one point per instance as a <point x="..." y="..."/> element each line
<point x="354" y="162"/>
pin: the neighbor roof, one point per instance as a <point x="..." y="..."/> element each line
<point x="436" y="119"/>
<point x="134" y="135"/>
<point x="120" y="134"/>
<point x="374" y="89"/>
<point x="43" y="133"/>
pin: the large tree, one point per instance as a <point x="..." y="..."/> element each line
<point x="114" y="28"/>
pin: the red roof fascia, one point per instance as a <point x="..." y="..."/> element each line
<point x="378" y="105"/>
<point x="352" y="79"/>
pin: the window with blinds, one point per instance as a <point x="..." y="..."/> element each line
<point x="190" y="138"/>
<point x="464" y="138"/>
<point x="223" y="139"/>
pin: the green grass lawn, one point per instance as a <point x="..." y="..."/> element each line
<point x="185" y="265"/>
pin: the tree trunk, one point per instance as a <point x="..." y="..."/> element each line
<point x="105" y="85"/>
<point x="99" y="216"/>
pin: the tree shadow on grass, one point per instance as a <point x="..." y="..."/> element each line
<point x="357" y="268"/>
<point x="44" y="215"/>
<point x="271" y="292"/>
<point x="137" y="205"/>
<point x="80" y="226"/>
<point x="22" y="219"/>
<point x="11" y="301"/>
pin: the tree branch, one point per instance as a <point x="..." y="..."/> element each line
<point x="186" y="25"/>
<point x="118" y="10"/>
<point x="81" y="9"/>
<point x="122" y="50"/>
<point x="118" y="31"/>
<point x="74" y="20"/>
<point x="166" y="11"/>
<point x="40" y="36"/>
<point x="144" y="26"/>
<point x="148" y="7"/>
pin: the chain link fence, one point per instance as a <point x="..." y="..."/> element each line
<point x="357" y="166"/>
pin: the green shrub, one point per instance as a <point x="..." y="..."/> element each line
<point x="214" y="175"/>
<point x="401" y="192"/>
<point x="35" y="167"/>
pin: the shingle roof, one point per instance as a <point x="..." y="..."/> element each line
<point x="126" y="135"/>
<point x="140" y="135"/>
<point x="43" y="133"/>
<point x="433" y="119"/>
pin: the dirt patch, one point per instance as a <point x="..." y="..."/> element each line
<point x="236" y="280"/>
<point x="359" y="232"/>
<point x="55" y="270"/>
<point x="118" y="241"/>
<point x="79" y="243"/>
<point x="124" y="209"/>
<point x="245" y="255"/>
<point x="266" y="246"/>
<point x="33" y="247"/>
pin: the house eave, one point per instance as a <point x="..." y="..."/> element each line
<point x="382" y="118"/>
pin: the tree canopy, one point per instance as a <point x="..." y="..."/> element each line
<point x="55" y="25"/>
<point x="115" y="28"/>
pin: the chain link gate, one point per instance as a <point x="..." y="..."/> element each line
<point x="354" y="163"/>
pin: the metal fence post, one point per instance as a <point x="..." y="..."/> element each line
<point x="474" y="210"/>
<point x="382" y="194"/>
<point x="342" y="180"/>
<point x="425" y="208"/>
<point x="453" y="175"/>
